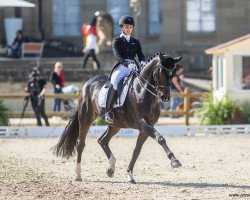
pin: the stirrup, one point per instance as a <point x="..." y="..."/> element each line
<point x="109" y="117"/>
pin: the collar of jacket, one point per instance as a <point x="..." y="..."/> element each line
<point x="127" y="37"/>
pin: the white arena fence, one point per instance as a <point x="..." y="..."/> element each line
<point x="96" y="131"/>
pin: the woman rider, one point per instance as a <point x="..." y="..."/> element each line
<point x="125" y="48"/>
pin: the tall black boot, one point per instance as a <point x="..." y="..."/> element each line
<point x="112" y="93"/>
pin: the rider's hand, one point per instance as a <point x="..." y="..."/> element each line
<point x="125" y="64"/>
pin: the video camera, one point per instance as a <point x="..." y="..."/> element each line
<point x="34" y="85"/>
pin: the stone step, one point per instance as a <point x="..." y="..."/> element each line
<point x="72" y="72"/>
<point x="19" y="69"/>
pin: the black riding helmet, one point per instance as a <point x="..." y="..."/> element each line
<point x="126" y="19"/>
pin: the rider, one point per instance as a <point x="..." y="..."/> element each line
<point x="125" y="48"/>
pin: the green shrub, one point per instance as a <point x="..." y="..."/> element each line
<point x="4" y="114"/>
<point x="246" y="112"/>
<point x="215" y="112"/>
<point x="99" y="121"/>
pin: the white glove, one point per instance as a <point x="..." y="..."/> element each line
<point x="132" y="66"/>
<point x="143" y="63"/>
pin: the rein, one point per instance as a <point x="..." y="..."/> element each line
<point x="158" y="85"/>
<point x="141" y="78"/>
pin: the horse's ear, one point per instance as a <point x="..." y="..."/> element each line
<point x="177" y="59"/>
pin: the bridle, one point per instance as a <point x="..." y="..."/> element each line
<point x="158" y="86"/>
<point x="169" y="73"/>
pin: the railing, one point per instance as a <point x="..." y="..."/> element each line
<point x="187" y="95"/>
<point x="47" y="96"/>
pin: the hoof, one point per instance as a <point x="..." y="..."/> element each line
<point x="132" y="181"/>
<point x="175" y="164"/>
<point x="78" y="179"/>
<point x="110" y="172"/>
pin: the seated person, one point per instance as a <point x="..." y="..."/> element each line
<point x="15" y="49"/>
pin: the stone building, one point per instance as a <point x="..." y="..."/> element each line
<point x="177" y="27"/>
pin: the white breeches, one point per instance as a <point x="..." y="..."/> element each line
<point x="118" y="74"/>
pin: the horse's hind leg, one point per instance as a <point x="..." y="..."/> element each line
<point x="86" y="116"/>
<point x="104" y="142"/>
<point x="142" y="137"/>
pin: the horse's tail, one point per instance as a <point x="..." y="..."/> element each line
<point x="67" y="143"/>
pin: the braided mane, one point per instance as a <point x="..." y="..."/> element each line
<point x="156" y="54"/>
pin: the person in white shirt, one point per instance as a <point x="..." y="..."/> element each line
<point x="90" y="47"/>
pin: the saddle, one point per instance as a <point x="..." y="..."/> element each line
<point x="123" y="88"/>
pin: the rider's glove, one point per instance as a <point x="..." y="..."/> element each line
<point x="125" y="63"/>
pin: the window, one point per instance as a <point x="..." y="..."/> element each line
<point x="241" y="74"/>
<point x="153" y="17"/>
<point x="117" y="9"/>
<point x="200" y="16"/>
<point x="66" y="18"/>
<point x="219" y="72"/>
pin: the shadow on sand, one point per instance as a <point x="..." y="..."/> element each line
<point x="191" y="185"/>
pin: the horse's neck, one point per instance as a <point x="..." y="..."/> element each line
<point x="147" y="71"/>
<point x="145" y="83"/>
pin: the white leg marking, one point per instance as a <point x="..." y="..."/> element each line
<point x="78" y="171"/>
<point x="130" y="177"/>
<point x="112" y="161"/>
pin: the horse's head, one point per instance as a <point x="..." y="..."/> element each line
<point x="164" y="71"/>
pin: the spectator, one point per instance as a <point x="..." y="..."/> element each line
<point x="90" y="47"/>
<point x="62" y="78"/>
<point x="36" y="88"/>
<point x="176" y="87"/>
<point x="57" y="82"/>
<point x="15" y="49"/>
<point x="164" y="105"/>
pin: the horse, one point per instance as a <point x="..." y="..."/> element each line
<point x="104" y="28"/>
<point x="141" y="111"/>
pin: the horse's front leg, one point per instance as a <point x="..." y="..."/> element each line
<point x="104" y="142"/>
<point x="142" y="137"/>
<point x="150" y="130"/>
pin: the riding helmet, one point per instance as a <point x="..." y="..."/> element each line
<point x="126" y="19"/>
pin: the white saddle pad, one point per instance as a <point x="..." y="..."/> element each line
<point x="102" y="97"/>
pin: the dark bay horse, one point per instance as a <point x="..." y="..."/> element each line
<point x="141" y="111"/>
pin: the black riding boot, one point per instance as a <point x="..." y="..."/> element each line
<point x="112" y="93"/>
